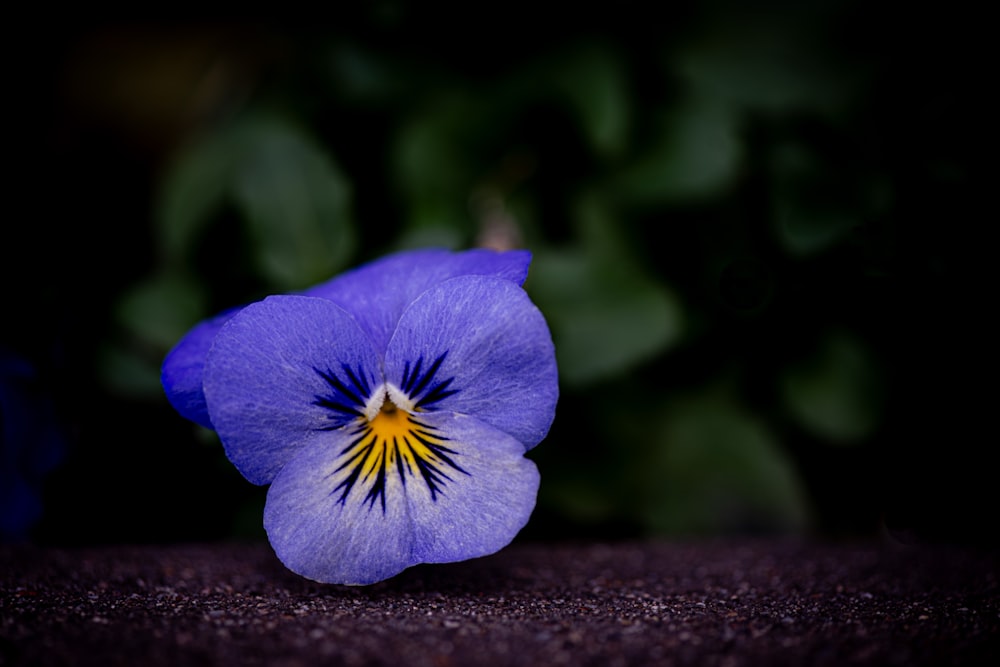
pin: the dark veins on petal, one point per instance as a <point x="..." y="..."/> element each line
<point x="346" y="400"/>
<point x="372" y="456"/>
<point x="422" y="387"/>
<point x="393" y="441"/>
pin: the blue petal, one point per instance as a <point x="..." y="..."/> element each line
<point x="280" y="371"/>
<point x="378" y="292"/>
<point x="181" y="372"/>
<point x="491" y="353"/>
<point x="322" y="535"/>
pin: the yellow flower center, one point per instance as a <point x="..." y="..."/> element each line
<point x="394" y="441"/>
<point x="391" y="422"/>
<point x="396" y="434"/>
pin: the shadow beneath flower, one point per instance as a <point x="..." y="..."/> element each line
<point x="515" y="569"/>
<point x="490" y="574"/>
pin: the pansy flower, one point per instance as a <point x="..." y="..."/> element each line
<point x="389" y="410"/>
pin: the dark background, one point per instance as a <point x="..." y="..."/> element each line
<point x="759" y="236"/>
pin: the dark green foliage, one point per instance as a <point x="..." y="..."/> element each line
<point x="751" y="230"/>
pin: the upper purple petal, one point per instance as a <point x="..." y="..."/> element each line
<point x="377" y="293"/>
<point x="281" y="371"/>
<point x="477" y="345"/>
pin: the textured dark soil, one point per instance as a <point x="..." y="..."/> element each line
<point x="719" y="603"/>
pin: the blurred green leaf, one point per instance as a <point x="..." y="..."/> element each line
<point x="810" y="216"/>
<point x="193" y="189"/>
<point x="834" y="393"/>
<point x="606" y="315"/>
<point x="592" y="81"/>
<point x="817" y="203"/>
<point x="363" y="75"/>
<point x="803" y="229"/>
<point x="433" y="226"/>
<point x="161" y="309"/>
<point x="774" y="60"/>
<point x="434" y="161"/>
<point x="152" y="315"/>
<point x="294" y="199"/>
<point x="695" y="153"/>
<point x="296" y="202"/>
<point x="579" y="497"/>
<point x="713" y="468"/>
<point x="130" y="372"/>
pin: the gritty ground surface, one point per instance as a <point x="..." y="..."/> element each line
<point x="738" y="603"/>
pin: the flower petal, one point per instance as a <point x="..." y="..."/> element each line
<point x="489" y="351"/>
<point x="281" y="370"/>
<point x="181" y="372"/>
<point x="481" y="512"/>
<point x="324" y="535"/>
<point x="378" y="292"/>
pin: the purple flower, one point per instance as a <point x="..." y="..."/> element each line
<point x="389" y="409"/>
